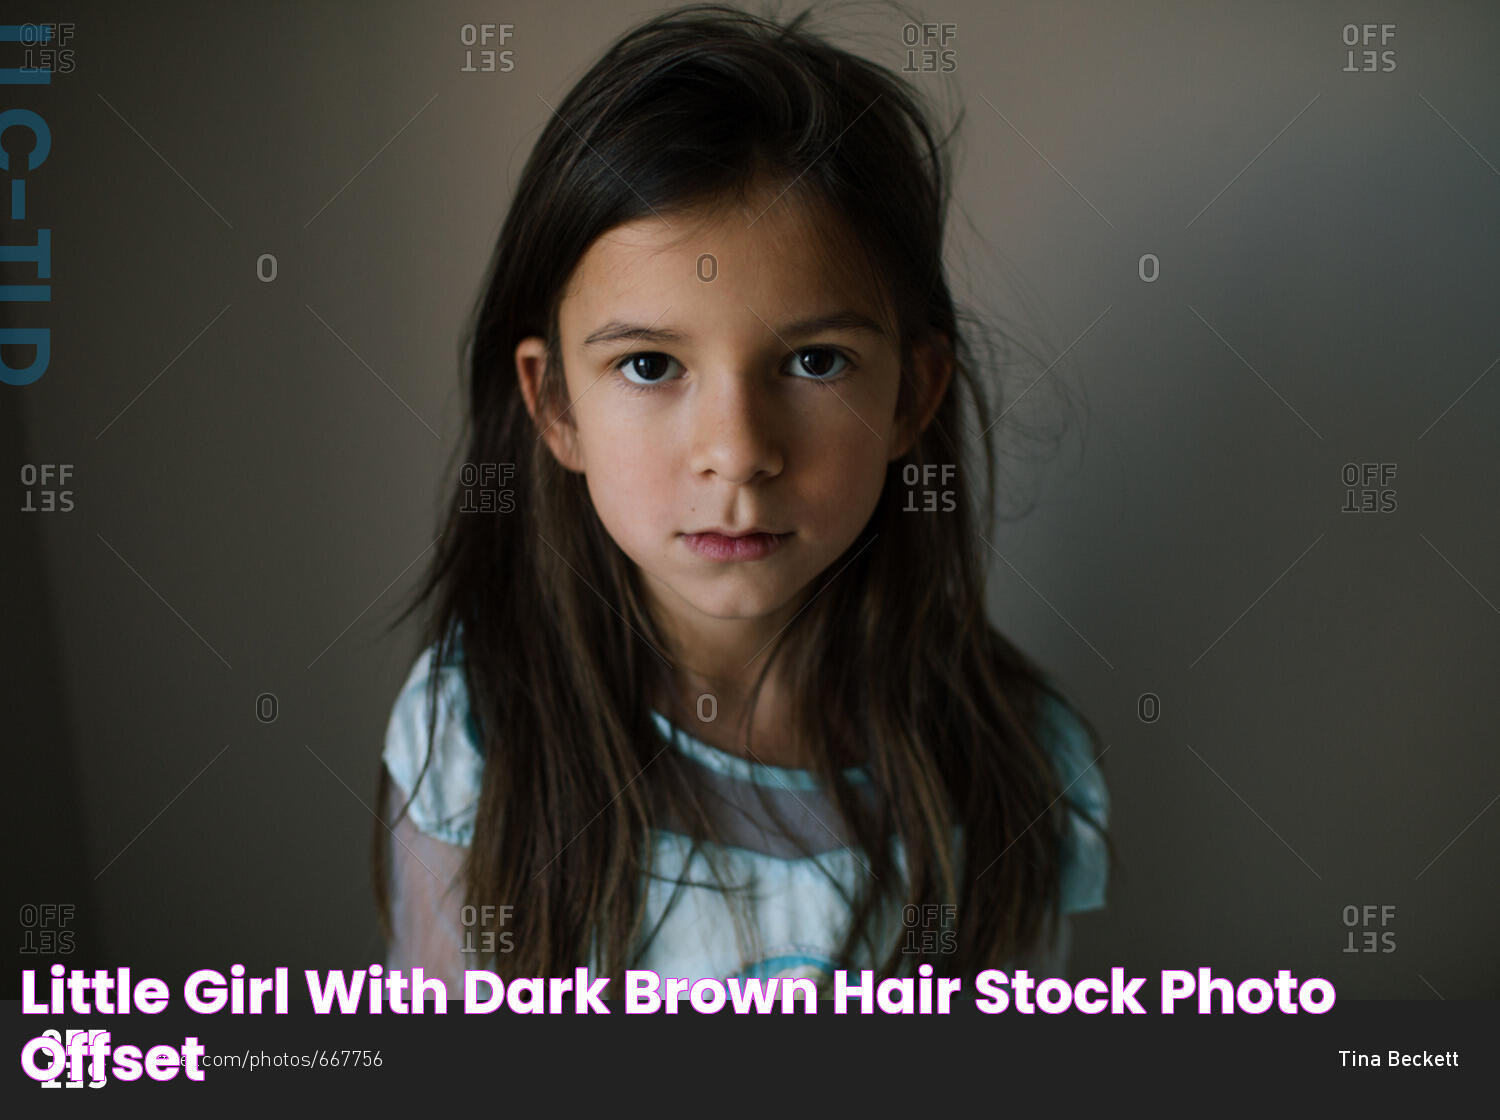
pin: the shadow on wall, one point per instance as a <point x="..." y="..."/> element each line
<point x="46" y="877"/>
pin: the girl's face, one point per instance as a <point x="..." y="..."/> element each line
<point x="727" y="376"/>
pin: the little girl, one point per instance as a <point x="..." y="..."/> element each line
<point x="707" y="685"/>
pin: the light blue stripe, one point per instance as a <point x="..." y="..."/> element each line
<point x="776" y="777"/>
<point x="766" y="969"/>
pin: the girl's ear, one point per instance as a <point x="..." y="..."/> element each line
<point x="932" y="370"/>
<point x="558" y="430"/>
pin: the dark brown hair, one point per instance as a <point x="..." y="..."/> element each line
<point x="544" y="612"/>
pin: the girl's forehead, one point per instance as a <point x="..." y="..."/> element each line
<point x="780" y="244"/>
<point x="776" y="229"/>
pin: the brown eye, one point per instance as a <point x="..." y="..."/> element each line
<point x="646" y="368"/>
<point x="823" y="363"/>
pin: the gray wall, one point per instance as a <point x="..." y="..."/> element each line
<point x="257" y="465"/>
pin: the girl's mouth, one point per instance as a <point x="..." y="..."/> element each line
<point x="715" y="546"/>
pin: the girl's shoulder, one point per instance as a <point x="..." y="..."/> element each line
<point x="447" y="794"/>
<point x="1085" y="856"/>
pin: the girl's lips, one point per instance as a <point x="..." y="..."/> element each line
<point x="715" y="546"/>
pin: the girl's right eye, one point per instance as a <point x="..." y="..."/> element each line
<point x="644" y="370"/>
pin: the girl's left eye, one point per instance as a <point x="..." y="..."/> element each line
<point x="651" y="367"/>
<point x="825" y="364"/>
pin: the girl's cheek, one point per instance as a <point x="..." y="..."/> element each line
<point x="857" y="456"/>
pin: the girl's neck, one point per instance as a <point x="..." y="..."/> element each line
<point x="718" y="661"/>
<point x="715" y="715"/>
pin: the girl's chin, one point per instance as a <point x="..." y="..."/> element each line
<point x="731" y="597"/>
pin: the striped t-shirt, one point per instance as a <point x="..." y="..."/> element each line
<point x="790" y="920"/>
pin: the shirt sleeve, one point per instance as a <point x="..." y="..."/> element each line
<point x="428" y="845"/>
<point x="1085" y="858"/>
<point x="426" y="893"/>
<point x="447" y="794"/>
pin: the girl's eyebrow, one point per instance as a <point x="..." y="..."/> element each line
<point x="845" y="320"/>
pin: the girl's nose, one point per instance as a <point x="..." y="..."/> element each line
<point x="735" y="431"/>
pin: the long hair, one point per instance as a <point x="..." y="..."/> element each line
<point x="892" y="653"/>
